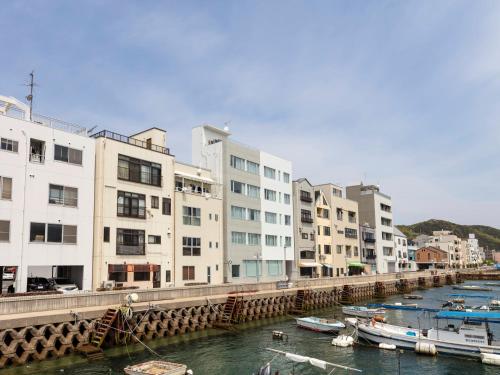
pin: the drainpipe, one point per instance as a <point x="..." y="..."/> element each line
<point x="20" y="271"/>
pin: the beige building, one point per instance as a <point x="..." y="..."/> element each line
<point x="324" y="235"/>
<point x="198" y="227"/>
<point x="133" y="222"/>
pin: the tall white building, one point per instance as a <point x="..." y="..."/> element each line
<point x="257" y="191"/>
<point x="46" y="198"/>
<point x="473" y="250"/>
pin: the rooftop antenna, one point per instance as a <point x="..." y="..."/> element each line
<point x="29" y="98"/>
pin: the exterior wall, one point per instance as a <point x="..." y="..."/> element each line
<point x="368" y="247"/>
<point x="448" y="242"/>
<point x="208" y="266"/>
<point x="401" y="251"/>
<point x="30" y="200"/>
<point x="326" y="258"/>
<point x="156" y="223"/>
<point x="431" y="255"/>
<point x="473" y="250"/>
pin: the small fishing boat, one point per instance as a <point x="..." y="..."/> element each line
<point x="492" y="284"/>
<point x="319" y="324"/>
<point x="157" y="368"/>
<point x="473" y="287"/>
<point x="494" y="305"/>
<point x="413" y="296"/>
<point x="362" y="311"/>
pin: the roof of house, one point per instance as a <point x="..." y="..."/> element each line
<point x="398" y="233"/>
<point x="432" y="248"/>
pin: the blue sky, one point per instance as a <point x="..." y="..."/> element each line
<point x="404" y="94"/>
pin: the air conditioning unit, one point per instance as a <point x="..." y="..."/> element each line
<point x="108" y="284"/>
<point x="184" y="189"/>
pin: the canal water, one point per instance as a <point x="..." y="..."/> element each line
<point x="215" y="352"/>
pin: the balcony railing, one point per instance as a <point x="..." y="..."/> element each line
<point x="130" y="249"/>
<point x="369" y="240"/>
<point x="37" y="158"/>
<point x="131" y="141"/>
<point x="306" y="198"/>
<point x="306" y="219"/>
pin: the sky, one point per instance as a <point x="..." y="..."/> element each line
<point x="404" y="94"/>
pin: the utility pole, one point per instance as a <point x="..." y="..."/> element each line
<point x="29" y="98"/>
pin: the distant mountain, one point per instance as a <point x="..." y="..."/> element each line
<point x="487" y="236"/>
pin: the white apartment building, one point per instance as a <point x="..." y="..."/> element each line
<point x="401" y="251"/>
<point x="375" y="208"/>
<point x="46" y="197"/>
<point x="199" y="237"/>
<point x="134" y="224"/>
<point x="473" y="250"/>
<point x="257" y="191"/>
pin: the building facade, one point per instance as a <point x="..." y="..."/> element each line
<point x="258" y="211"/>
<point x="198" y="223"/>
<point x="375" y="208"/>
<point x="431" y="257"/>
<point x="46" y="197"/>
<point x="134" y="224"/>
<point x="401" y="251"/>
<point x="368" y="247"/>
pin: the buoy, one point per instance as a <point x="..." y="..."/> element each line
<point x="490" y="359"/>
<point x="425" y="348"/>
<point x="383" y="345"/>
<point x="343" y="341"/>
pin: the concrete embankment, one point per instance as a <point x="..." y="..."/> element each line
<point x="40" y="327"/>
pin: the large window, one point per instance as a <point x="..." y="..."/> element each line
<point x="253" y="191"/>
<point x="270" y="195"/>
<point x="117" y="272"/>
<point x="238" y="238"/>
<point x="274" y="267"/>
<point x="271" y="217"/>
<point x="131" y="205"/>
<point x="9" y="145"/>
<point x="253" y="239"/>
<point x="68" y="154"/>
<point x="237" y="163"/>
<point x="187" y="273"/>
<point x="142" y="275"/>
<point x="252" y="167"/>
<point x="270" y="172"/>
<point x="252" y="268"/>
<point x="237" y="187"/>
<point x="64" y="195"/>
<point x="253" y="215"/>
<point x="387" y="251"/>
<point x="58" y="233"/>
<point x="191" y="215"/>
<point x="238" y="213"/>
<point x="4" y="231"/>
<point x="5" y="188"/>
<point x="386" y="222"/>
<point x="271" y="240"/>
<point x="130" y="242"/>
<point x="191" y="246"/>
<point x="387" y="236"/>
<point x="140" y="171"/>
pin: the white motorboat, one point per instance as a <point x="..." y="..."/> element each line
<point x="362" y="311"/>
<point x="319" y="324"/>
<point x="471" y="339"/>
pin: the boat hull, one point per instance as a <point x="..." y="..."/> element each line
<point x="318" y="327"/>
<point x="362" y="313"/>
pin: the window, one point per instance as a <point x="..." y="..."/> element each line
<point x="328" y="249"/>
<point x="253" y="191"/>
<point x="191" y="246"/>
<point x="64" y="195"/>
<point x="9" y="145"/>
<point x="253" y="215"/>
<point x="141" y="171"/>
<point x="319" y="230"/>
<point x="340" y="214"/>
<point x="387" y="236"/>
<point x="237" y="187"/>
<point x="238" y="238"/>
<point x="271" y="240"/>
<point x="238" y="213"/>
<point x="339" y="249"/>
<point x="69" y="234"/>
<point x="348" y="252"/>
<point x="305" y="236"/>
<point x="252" y="167"/>
<point x="327" y="231"/>
<point x="168" y="276"/>
<point x="117" y="272"/>
<point x="253" y="239"/>
<point x="188" y="273"/>
<point x="37" y="232"/>
<point x="5" y="188"/>
<point x="154" y="240"/>
<point x="286" y="177"/>
<point x="216" y="217"/>
<point x="4" y="231"/>
<point x="274" y="267"/>
<point x="67" y="154"/>
<point x="142" y="276"/>
<point x="131" y="205"/>
<point x="235" y="270"/>
<point x="270" y="195"/>
<point x="351" y="233"/>
<point x="288" y="220"/>
<point x="286" y="198"/>
<point x="106" y="234"/>
<point x="288" y="241"/>
<point x="356" y="251"/>
<point x="385" y="221"/>
<point x="166" y="205"/>
<point x="191" y="215"/>
<point x="387" y="251"/>
<point x="130" y="242"/>
<point x="155" y="202"/>
<point x="54" y="233"/>
<point x="270" y="172"/>
<point x="271" y="217"/>
<point x="37" y="151"/>
<point x="237" y="163"/>
<point x="252" y="268"/>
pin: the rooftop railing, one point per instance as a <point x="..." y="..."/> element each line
<point x="131" y="141"/>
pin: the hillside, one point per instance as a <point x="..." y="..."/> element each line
<point x="487" y="236"/>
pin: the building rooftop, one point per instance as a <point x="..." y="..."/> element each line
<point x="131" y="141"/>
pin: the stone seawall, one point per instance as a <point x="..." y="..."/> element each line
<point x="27" y="339"/>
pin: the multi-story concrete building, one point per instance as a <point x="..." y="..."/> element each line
<point x="412" y="255"/>
<point x="257" y="191"/>
<point x="134" y="224"/>
<point x="46" y="197"/>
<point x="401" y="251"/>
<point x="324" y="236"/>
<point x="447" y="241"/>
<point x="368" y="247"/>
<point x="375" y="208"/>
<point x="198" y="223"/>
<point x="473" y="253"/>
<point x="344" y="229"/>
<point x="304" y="208"/>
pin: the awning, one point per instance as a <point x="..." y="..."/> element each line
<point x="326" y="265"/>
<point x="309" y="264"/>
<point x="356" y="264"/>
<point x="194" y="177"/>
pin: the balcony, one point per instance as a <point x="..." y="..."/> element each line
<point x="131" y="141"/>
<point x="307" y="255"/>
<point x="369" y="239"/>
<point x="306" y="198"/>
<point x="306" y="219"/>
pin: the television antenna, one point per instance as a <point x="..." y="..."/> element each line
<point x="29" y="98"/>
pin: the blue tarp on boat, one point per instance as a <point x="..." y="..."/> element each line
<point x="490" y="316"/>
<point x="470" y="295"/>
<point x="401" y="307"/>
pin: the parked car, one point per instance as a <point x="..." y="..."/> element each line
<point x="63" y="285"/>
<point x="37" y="284"/>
